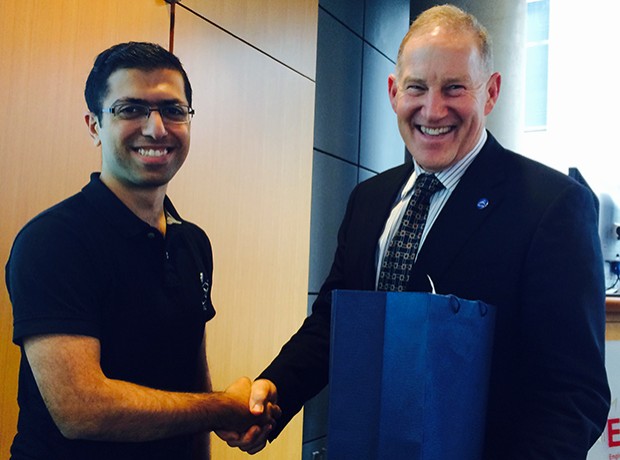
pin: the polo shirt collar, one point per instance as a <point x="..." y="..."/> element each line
<point x="117" y="214"/>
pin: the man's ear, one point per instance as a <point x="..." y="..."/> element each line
<point x="93" y="127"/>
<point x="493" y="86"/>
<point x="392" y="90"/>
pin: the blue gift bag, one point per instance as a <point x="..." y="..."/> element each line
<point x="409" y="376"/>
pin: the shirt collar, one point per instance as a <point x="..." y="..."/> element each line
<point x="170" y="219"/>
<point x="449" y="177"/>
<point x="119" y="215"/>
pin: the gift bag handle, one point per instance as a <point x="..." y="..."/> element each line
<point x="455" y="304"/>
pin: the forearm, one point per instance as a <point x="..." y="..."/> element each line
<point x="85" y="404"/>
<point x="300" y="370"/>
<point x="122" y="411"/>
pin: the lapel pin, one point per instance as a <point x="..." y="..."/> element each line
<point x="482" y="203"/>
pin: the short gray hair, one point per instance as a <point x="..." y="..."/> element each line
<point x="455" y="19"/>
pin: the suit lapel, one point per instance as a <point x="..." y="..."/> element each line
<point x="477" y="195"/>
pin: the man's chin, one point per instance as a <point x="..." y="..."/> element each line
<point x="434" y="161"/>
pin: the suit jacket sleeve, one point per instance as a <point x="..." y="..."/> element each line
<point x="562" y="397"/>
<point x="300" y="371"/>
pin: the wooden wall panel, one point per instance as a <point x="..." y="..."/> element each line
<point x="612" y="331"/>
<point x="247" y="181"/>
<point x="284" y="29"/>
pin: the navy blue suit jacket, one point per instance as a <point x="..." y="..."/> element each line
<point x="533" y="252"/>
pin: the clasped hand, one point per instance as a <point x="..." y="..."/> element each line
<point x="261" y="399"/>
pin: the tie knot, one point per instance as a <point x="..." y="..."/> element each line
<point x="426" y="184"/>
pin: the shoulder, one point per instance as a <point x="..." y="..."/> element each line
<point x="519" y="171"/>
<point x="62" y="235"/>
<point x="68" y="216"/>
<point x="390" y="176"/>
<point x="387" y="182"/>
<point x="543" y="183"/>
<point x="187" y="228"/>
<point x="196" y="235"/>
<point x="526" y="185"/>
<point x="379" y="191"/>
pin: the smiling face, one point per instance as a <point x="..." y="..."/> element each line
<point x="140" y="154"/>
<point x="441" y="96"/>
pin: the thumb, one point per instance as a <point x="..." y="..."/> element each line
<point x="260" y="394"/>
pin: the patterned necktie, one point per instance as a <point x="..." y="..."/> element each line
<point x="401" y="252"/>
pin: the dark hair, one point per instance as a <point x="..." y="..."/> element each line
<point x="131" y="55"/>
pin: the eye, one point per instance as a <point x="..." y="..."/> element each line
<point x="174" y="112"/>
<point x="455" y="90"/>
<point x="131" y="111"/>
<point x="414" y="88"/>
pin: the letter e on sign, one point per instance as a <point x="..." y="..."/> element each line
<point x="613" y="432"/>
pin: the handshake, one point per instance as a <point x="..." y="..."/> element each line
<point x="248" y="414"/>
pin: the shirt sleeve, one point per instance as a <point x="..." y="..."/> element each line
<point x="55" y="280"/>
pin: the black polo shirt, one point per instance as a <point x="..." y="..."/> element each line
<point x="89" y="266"/>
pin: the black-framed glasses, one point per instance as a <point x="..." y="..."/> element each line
<point x="170" y="113"/>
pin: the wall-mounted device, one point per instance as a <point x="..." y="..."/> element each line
<point x="609" y="233"/>
<point x="609" y="228"/>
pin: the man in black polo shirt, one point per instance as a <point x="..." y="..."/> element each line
<point x="111" y="288"/>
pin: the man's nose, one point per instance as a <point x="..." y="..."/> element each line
<point x="154" y="125"/>
<point x="434" y="105"/>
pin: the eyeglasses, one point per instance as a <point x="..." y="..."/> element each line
<point x="170" y="113"/>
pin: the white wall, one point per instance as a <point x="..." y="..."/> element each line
<point x="583" y="94"/>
